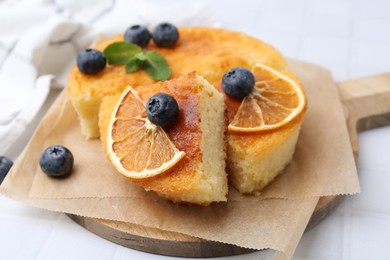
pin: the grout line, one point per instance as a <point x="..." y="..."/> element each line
<point x="346" y="230"/>
<point x="46" y="244"/>
<point x="364" y="213"/>
<point x="352" y="24"/>
<point x="303" y="31"/>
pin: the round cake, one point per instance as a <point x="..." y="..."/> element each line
<point x="254" y="159"/>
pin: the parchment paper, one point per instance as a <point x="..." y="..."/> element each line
<point x="323" y="165"/>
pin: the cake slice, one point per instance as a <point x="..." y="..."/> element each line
<point x="184" y="162"/>
<point x="263" y="129"/>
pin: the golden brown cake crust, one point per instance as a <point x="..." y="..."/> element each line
<point x="200" y="177"/>
<point x="259" y="143"/>
<point x="184" y="133"/>
<point x="209" y="51"/>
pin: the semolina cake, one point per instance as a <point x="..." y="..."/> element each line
<point x="208" y="51"/>
<point x="200" y="176"/>
<point x="254" y="158"/>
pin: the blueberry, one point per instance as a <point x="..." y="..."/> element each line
<point x="56" y="161"/>
<point x="138" y="34"/>
<point x="5" y="165"/>
<point x="162" y="109"/>
<point x="165" y="35"/>
<point x="238" y="82"/>
<point x="91" y="61"/>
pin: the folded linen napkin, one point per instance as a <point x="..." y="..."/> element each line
<point x="39" y="41"/>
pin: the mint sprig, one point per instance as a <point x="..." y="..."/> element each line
<point x="134" y="58"/>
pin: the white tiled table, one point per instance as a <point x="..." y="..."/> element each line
<point x="352" y="38"/>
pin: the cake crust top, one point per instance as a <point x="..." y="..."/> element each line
<point x="208" y="51"/>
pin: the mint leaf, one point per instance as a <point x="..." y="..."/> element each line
<point x="120" y="52"/>
<point x="133" y="64"/>
<point x="156" y="65"/>
<point x="134" y="58"/>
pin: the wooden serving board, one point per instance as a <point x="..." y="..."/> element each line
<point x="367" y="105"/>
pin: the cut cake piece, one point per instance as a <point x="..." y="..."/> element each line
<point x="256" y="158"/>
<point x="200" y="176"/>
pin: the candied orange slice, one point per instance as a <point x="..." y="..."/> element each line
<point x="136" y="147"/>
<point x="274" y="101"/>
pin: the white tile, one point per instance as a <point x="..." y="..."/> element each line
<point x="281" y="23"/>
<point x="327" y="26"/>
<point x="24" y="238"/>
<point x="240" y="19"/>
<point x="374" y="187"/>
<point x="88" y="245"/>
<point x="324" y="241"/>
<point x="332" y="7"/>
<point x="372" y="29"/>
<point x="128" y="253"/>
<point x="325" y="51"/>
<point x="357" y="71"/>
<point x="283" y="6"/>
<point x="370" y="54"/>
<point x="286" y="42"/>
<point x="368" y="236"/>
<point x="371" y="9"/>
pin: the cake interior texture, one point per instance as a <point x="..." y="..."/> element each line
<point x="252" y="167"/>
<point x="210" y="183"/>
<point x="201" y="176"/>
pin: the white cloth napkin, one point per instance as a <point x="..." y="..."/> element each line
<point x="39" y="41"/>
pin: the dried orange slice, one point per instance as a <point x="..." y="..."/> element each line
<point x="274" y="101"/>
<point x="136" y="147"/>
